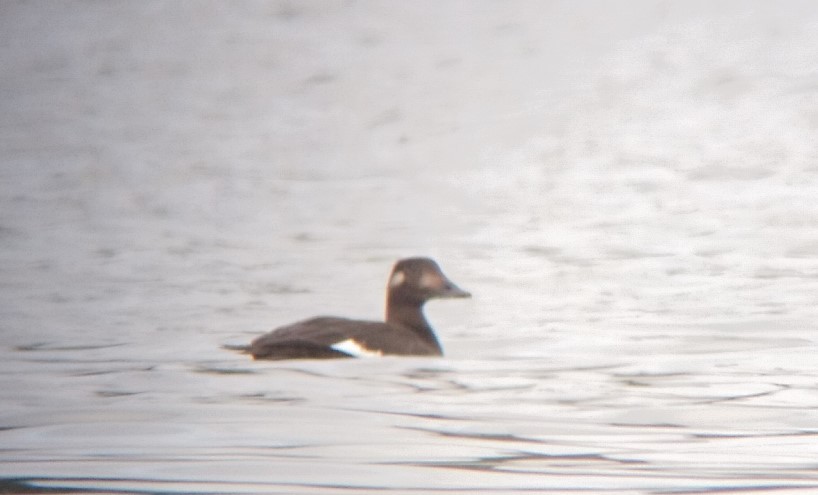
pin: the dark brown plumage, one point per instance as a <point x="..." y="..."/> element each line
<point x="405" y="332"/>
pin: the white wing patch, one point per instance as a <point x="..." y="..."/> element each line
<point x="354" y="348"/>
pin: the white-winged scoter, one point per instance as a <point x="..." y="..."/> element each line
<point x="405" y="332"/>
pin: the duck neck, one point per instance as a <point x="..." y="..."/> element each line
<point x="410" y="315"/>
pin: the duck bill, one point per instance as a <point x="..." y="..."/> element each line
<point x="451" y="291"/>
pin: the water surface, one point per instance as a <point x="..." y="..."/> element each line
<point x="629" y="195"/>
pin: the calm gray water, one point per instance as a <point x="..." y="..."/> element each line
<point x="628" y="190"/>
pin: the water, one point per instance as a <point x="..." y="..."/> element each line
<point x="629" y="195"/>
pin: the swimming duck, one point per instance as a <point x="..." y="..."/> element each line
<point x="405" y="332"/>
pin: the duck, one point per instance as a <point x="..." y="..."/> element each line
<point x="404" y="332"/>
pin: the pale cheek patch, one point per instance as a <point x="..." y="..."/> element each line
<point x="354" y="348"/>
<point x="430" y="281"/>
<point x="397" y="279"/>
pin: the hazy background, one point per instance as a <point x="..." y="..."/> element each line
<point x="623" y="186"/>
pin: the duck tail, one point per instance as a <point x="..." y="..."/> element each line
<point x="244" y="349"/>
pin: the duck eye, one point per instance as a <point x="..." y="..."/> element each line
<point x="397" y="279"/>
